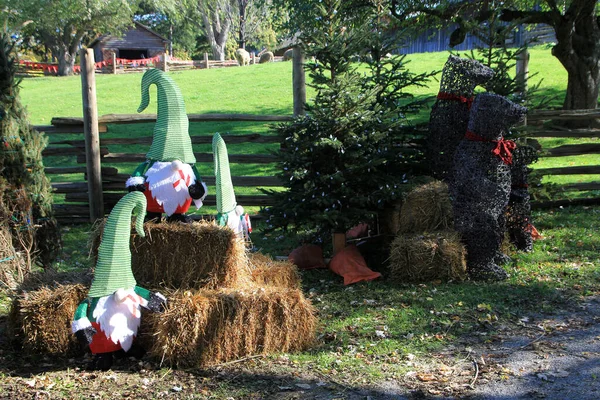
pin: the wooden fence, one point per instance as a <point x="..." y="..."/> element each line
<point x="75" y="207"/>
<point x="122" y="65"/>
<point x="540" y="124"/>
<point x="549" y="124"/>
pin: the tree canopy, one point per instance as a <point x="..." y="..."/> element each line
<point x="575" y="23"/>
<point x="62" y="26"/>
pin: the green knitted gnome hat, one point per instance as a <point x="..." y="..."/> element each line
<point x="113" y="269"/>
<point x="171" y="137"/>
<point x="225" y="195"/>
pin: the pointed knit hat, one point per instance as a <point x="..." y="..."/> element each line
<point x="171" y="139"/>
<point x="113" y="269"/>
<point x="225" y="195"/>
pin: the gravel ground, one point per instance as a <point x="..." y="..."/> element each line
<point x="543" y="357"/>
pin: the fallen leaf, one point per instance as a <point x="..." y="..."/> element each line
<point x="425" y="377"/>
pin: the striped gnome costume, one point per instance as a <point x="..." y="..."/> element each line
<point x="168" y="178"/>
<point x="229" y="213"/>
<point x="108" y="319"/>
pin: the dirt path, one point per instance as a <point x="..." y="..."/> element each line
<point x="543" y="357"/>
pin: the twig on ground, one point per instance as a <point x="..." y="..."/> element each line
<point x="532" y="342"/>
<point x="238" y="361"/>
<point x="476" y="374"/>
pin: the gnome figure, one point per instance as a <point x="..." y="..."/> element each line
<point x="108" y="319"/>
<point x="228" y="212"/>
<point x="168" y="178"/>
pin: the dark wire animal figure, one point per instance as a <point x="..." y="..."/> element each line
<point x="450" y="113"/>
<point x="518" y="211"/>
<point x="481" y="182"/>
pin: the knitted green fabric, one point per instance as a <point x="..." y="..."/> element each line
<point x="113" y="269"/>
<point x="225" y="195"/>
<point x="171" y="139"/>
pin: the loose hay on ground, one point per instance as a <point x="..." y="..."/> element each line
<point x="186" y="256"/>
<point x="12" y="265"/>
<point x="427" y="208"/>
<point x="427" y="257"/>
<point x="42" y="318"/>
<point x="268" y="272"/>
<point x="210" y="327"/>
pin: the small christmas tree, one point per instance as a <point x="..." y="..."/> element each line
<point x="27" y="192"/>
<point x="347" y="158"/>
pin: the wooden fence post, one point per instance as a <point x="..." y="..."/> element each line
<point x="92" y="137"/>
<point x="522" y="72"/>
<point x="298" y="81"/>
<point x="206" y="61"/>
<point x="114" y="62"/>
<point x="165" y="59"/>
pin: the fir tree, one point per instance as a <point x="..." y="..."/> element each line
<point x="349" y="156"/>
<point x="27" y="191"/>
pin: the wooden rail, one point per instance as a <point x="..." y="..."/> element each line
<point x="550" y="124"/>
<point x="75" y="207"/>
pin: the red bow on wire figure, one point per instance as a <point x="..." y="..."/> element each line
<point x="451" y="96"/>
<point x="503" y="149"/>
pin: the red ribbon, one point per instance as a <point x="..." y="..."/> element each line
<point x="451" y="96"/>
<point x="503" y="149"/>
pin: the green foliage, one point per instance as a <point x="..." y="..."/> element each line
<point x="496" y="53"/>
<point x="63" y="26"/>
<point x="347" y="158"/>
<point x="26" y="192"/>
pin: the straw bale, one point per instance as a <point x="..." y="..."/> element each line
<point x="427" y="208"/>
<point x="12" y="265"/>
<point x="200" y="255"/>
<point x="208" y="327"/>
<point x="427" y="257"/>
<point x="268" y="272"/>
<point x="41" y="319"/>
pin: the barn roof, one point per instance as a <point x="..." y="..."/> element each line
<point x="102" y="38"/>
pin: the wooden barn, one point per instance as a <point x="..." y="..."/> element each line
<point x="136" y="43"/>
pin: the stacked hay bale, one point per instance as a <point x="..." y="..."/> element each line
<point x="214" y="287"/>
<point x="211" y="326"/>
<point x="426" y="248"/>
<point x="42" y="311"/>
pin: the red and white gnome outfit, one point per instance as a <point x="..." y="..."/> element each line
<point x="169" y="178"/>
<point x="108" y="319"/>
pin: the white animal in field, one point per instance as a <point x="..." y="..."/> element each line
<point x="242" y="57"/>
<point x="266" y="57"/>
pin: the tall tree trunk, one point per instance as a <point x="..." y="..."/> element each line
<point x="217" y="29"/>
<point x="582" y="86"/>
<point x="242" y="4"/>
<point x="66" y="61"/>
<point x="578" y="50"/>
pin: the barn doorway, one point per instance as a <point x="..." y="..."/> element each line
<point x="133" y="54"/>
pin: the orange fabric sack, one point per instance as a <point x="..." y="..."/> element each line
<point x="360" y="230"/>
<point x="308" y="256"/>
<point x="350" y="264"/>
